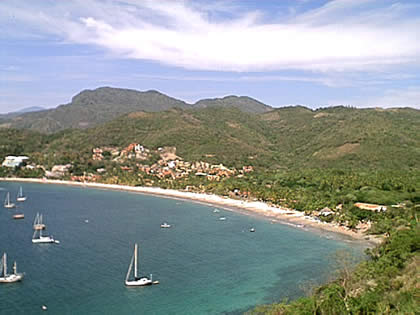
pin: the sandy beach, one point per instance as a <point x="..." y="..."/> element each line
<point x="275" y="214"/>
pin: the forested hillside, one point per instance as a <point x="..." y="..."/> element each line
<point x="285" y="138"/>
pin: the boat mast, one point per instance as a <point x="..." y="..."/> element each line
<point x="129" y="269"/>
<point x="4" y="264"/>
<point x="34" y="236"/>
<point x="15" y="268"/>
<point x="135" y="260"/>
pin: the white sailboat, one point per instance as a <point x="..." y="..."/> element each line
<point x="38" y="225"/>
<point x="38" y="238"/>
<point x="20" y="196"/>
<point x="137" y="281"/>
<point x="7" y="203"/>
<point x="9" y="278"/>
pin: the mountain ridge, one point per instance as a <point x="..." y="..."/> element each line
<point x="90" y="108"/>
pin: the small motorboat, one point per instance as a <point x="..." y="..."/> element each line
<point x="165" y="225"/>
<point x="18" y="216"/>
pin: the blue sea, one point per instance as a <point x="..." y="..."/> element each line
<point x="204" y="265"/>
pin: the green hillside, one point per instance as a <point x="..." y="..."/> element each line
<point x="244" y="103"/>
<point x="286" y="138"/>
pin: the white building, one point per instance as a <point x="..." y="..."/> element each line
<point x="14" y="161"/>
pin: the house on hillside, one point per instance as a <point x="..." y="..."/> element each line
<point x="14" y="161"/>
<point x="369" y="206"/>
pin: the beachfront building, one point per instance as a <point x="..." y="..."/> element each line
<point x="369" y="206"/>
<point x="14" y="161"/>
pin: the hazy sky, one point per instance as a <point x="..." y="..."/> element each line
<point x="316" y="53"/>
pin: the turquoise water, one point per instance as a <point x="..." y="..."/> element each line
<point x="204" y="265"/>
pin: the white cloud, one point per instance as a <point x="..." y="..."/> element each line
<point x="343" y="35"/>
<point x="405" y="97"/>
<point x="396" y="97"/>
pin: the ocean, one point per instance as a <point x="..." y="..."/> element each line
<point x="204" y="265"/>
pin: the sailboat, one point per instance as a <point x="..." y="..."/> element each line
<point x="38" y="238"/>
<point x="20" y="196"/>
<point x="38" y="225"/>
<point x="7" y="203"/>
<point x="137" y="281"/>
<point x="9" y="278"/>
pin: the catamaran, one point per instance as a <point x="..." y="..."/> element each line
<point x="137" y="281"/>
<point x="38" y="238"/>
<point x="9" y="278"/>
<point x="38" y="225"/>
<point x="7" y="203"/>
<point x="20" y="196"/>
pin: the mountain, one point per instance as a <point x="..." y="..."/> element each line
<point x="92" y="107"/>
<point x="289" y="138"/>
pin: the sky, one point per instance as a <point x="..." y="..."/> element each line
<point x="316" y="53"/>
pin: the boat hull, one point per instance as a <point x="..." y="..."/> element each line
<point x="9" y="206"/>
<point x="18" y="216"/>
<point x="11" y="278"/>
<point x="21" y="199"/>
<point x="39" y="227"/>
<point x="138" y="283"/>
<point x="44" y="240"/>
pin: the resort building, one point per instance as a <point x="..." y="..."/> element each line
<point x="14" y="161"/>
<point x="369" y="206"/>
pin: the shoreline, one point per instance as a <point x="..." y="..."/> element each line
<point x="280" y="215"/>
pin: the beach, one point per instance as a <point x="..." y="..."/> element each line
<point x="275" y="214"/>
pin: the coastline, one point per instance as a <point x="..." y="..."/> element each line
<point x="275" y="214"/>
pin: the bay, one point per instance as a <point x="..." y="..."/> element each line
<point x="204" y="265"/>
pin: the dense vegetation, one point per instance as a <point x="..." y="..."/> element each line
<point x="286" y="138"/>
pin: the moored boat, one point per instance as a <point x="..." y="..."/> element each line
<point x="38" y="238"/>
<point x="7" y="203"/>
<point x="38" y="225"/>
<point x="18" y="216"/>
<point x="20" y="197"/>
<point x="9" y="278"/>
<point x="137" y="281"/>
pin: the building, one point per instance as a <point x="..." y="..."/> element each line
<point x="14" y="161"/>
<point x="369" y="206"/>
